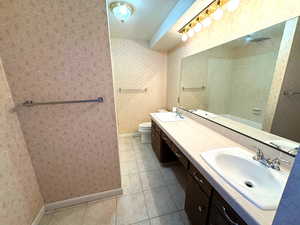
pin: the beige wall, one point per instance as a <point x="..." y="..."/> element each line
<point x="251" y="80"/>
<point x="20" y="197"/>
<point x="251" y="16"/>
<point x="194" y="74"/>
<point x="280" y="71"/>
<point x="194" y="71"/>
<point x="219" y="84"/>
<point x="59" y="50"/>
<point x="237" y="77"/>
<point x="286" y="118"/>
<point x="136" y="66"/>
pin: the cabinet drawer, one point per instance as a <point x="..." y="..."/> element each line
<point x="202" y="182"/>
<point x="196" y="203"/>
<point x="181" y="157"/>
<point x="230" y="217"/>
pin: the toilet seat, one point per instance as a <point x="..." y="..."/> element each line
<point x="146" y="126"/>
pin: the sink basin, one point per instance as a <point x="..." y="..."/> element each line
<point x="168" y="117"/>
<point x="260" y="185"/>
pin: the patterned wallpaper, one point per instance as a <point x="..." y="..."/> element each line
<point x="59" y="50"/>
<point x="20" y="197"/>
<point x="135" y="65"/>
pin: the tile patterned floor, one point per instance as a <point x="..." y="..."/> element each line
<point x="152" y="194"/>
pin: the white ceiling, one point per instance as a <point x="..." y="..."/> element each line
<point x="144" y="22"/>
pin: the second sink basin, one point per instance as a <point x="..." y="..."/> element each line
<point x="260" y="185"/>
<point x="168" y="117"/>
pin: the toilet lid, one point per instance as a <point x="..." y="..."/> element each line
<point x="145" y="125"/>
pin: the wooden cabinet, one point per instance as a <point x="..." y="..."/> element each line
<point x="222" y="213"/>
<point x="202" y="182"/>
<point x="203" y="205"/>
<point x="197" y="203"/>
<point x="161" y="145"/>
<point x="180" y="156"/>
<point x="155" y="138"/>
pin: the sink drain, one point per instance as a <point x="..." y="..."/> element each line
<point x="249" y="184"/>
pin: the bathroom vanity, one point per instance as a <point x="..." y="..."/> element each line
<point x="209" y="199"/>
<point x="203" y="204"/>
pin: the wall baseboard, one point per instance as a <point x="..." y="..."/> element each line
<point x="39" y="216"/>
<point x="82" y="199"/>
<point x="135" y="134"/>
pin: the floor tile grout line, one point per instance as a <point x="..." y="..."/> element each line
<point x="163" y="186"/>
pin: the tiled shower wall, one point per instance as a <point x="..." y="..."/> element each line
<point x="20" y="197"/>
<point x="59" y="50"/>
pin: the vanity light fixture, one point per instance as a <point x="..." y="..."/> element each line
<point x="198" y="27"/>
<point x="214" y="10"/>
<point x="191" y="33"/>
<point x="232" y="5"/>
<point x="206" y="22"/>
<point x="121" y="10"/>
<point x="218" y="14"/>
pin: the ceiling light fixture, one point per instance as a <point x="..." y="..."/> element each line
<point x="214" y="10"/>
<point x="121" y="10"/>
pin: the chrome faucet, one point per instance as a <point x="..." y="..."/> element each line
<point x="261" y="158"/>
<point x="275" y="164"/>
<point x="270" y="163"/>
<point x="179" y="114"/>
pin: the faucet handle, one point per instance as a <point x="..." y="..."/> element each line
<point x="275" y="163"/>
<point x="259" y="154"/>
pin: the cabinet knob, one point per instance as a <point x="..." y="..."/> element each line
<point x="177" y="155"/>
<point x="200" y="208"/>
<point x="197" y="178"/>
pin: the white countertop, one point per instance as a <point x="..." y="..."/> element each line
<point x="193" y="138"/>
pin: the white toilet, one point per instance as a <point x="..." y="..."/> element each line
<point x="145" y="131"/>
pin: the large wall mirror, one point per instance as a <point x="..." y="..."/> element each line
<point x="251" y="85"/>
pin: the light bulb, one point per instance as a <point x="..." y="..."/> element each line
<point x="191" y="33"/>
<point x="198" y="27"/>
<point x="122" y="12"/>
<point x="206" y="22"/>
<point x="218" y="14"/>
<point x="184" y="37"/>
<point x="232" y="5"/>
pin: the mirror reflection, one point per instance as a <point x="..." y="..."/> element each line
<point x="240" y="85"/>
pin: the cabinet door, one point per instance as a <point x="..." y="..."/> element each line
<point x="202" y="182"/>
<point x="216" y="218"/>
<point x="222" y="213"/>
<point x="155" y="138"/>
<point x="196" y="203"/>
